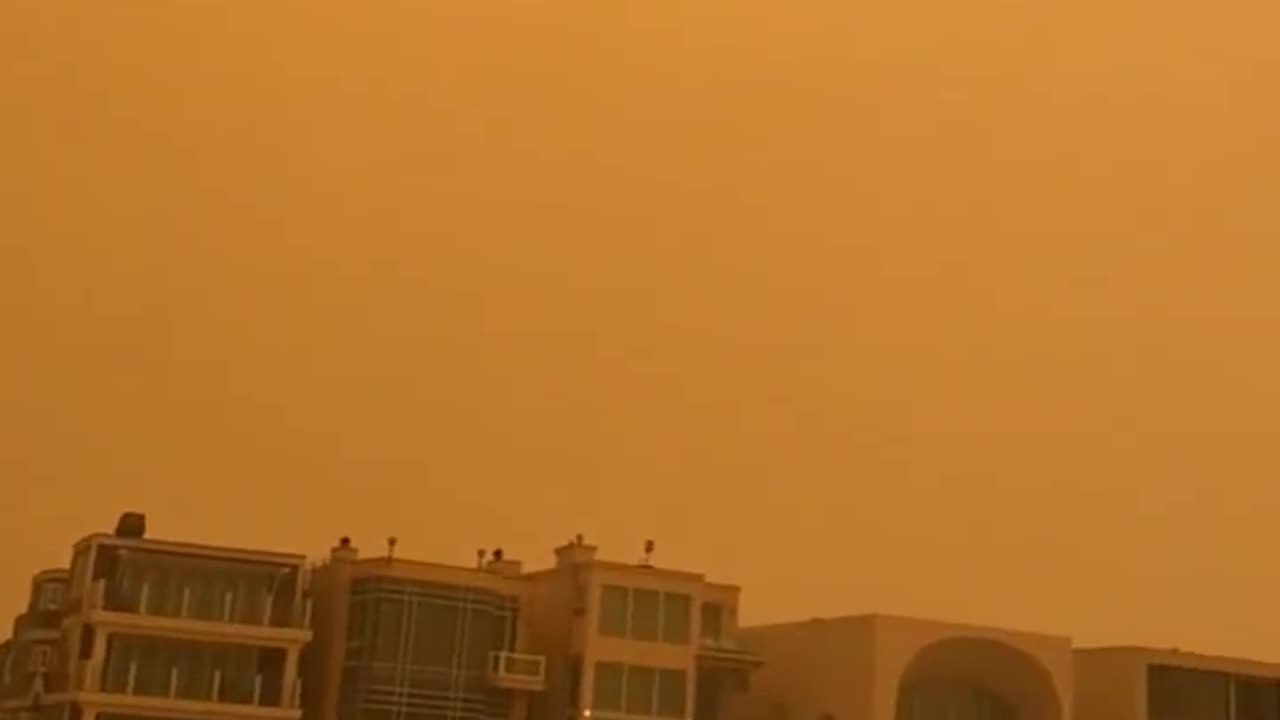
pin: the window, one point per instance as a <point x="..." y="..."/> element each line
<point x="1186" y="694"/>
<point x="671" y="693"/>
<point x="641" y="686"/>
<point x="613" y="611"/>
<point x="50" y="596"/>
<point x="712" y="622"/>
<point x="676" y="608"/>
<point x="645" y="611"/>
<point x="390" y="625"/>
<point x="640" y="691"/>
<point x="39" y="659"/>
<point x="606" y="692"/>
<point x="1257" y="699"/>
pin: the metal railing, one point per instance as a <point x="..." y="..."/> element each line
<point x="99" y="600"/>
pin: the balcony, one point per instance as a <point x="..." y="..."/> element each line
<point x="722" y="658"/>
<point x="87" y="676"/>
<point x="183" y="616"/>
<point x="517" y="671"/>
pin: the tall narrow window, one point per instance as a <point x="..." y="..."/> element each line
<point x="671" y="693"/>
<point x="712" y="622"/>
<point x="645" y="614"/>
<point x="606" y="690"/>
<point x="390" y="629"/>
<point x="641" y="687"/>
<point x="676" y="608"/>
<point x="613" y="611"/>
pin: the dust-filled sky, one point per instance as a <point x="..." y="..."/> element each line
<point x="954" y="309"/>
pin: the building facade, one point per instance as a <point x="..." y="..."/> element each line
<point x="30" y="661"/>
<point x="1131" y="683"/>
<point x="586" y="638"/>
<point x="161" y="630"/>
<point x="145" y="629"/>
<point x="879" y="667"/>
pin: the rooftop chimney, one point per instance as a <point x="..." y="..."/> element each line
<point x="575" y="552"/>
<point x="344" y="552"/>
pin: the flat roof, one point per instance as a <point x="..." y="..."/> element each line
<point x="215" y="551"/>
<point x="1177" y="657"/>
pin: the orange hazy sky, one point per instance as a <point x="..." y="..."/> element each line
<point x="955" y="309"/>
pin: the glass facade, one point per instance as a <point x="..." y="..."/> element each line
<point x="173" y="584"/>
<point x="191" y="670"/>
<point x="1175" y="693"/>
<point x="420" y="651"/>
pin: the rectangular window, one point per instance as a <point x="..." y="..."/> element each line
<point x="606" y="691"/>
<point x="1185" y="694"/>
<point x="641" y="686"/>
<point x="390" y="630"/>
<point x="671" y="693"/>
<point x="1257" y="699"/>
<point x="50" y="596"/>
<point x="613" y="611"/>
<point x="39" y="659"/>
<point x="645" y="612"/>
<point x="712" y="622"/>
<point x="676" y="608"/>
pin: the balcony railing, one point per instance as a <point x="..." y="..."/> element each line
<point x="88" y="677"/>
<point x="226" y="611"/>
<point x="517" y="671"/>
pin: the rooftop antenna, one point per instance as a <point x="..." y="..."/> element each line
<point x="480" y="556"/>
<point x="648" y="554"/>
<point x="391" y="548"/>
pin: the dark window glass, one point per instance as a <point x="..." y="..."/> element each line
<point x="435" y="633"/>
<point x="1257" y="699"/>
<point x="1185" y="694"/>
<point x="676" y="608"/>
<point x="613" y="611"/>
<point x="712" y="622"/>
<point x="645" y="610"/>
<point x="671" y="693"/>
<point x="606" y="692"/>
<point x="641" y="685"/>
<point x="390" y="628"/>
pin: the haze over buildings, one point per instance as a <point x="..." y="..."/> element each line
<point x="147" y="629"/>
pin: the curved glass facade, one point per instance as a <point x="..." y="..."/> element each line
<point x="420" y="651"/>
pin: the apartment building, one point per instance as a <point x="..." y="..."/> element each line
<point x="31" y="654"/>
<point x="1133" y="683"/>
<point x="586" y="638"/>
<point x="882" y="667"/>
<point x="166" y="630"/>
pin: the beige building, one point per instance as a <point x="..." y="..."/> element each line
<point x="586" y="638"/>
<point x="1129" y="683"/>
<point x="29" y="660"/>
<point x="155" y="629"/>
<point x="879" y="667"/>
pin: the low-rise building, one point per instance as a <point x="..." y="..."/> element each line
<point x="30" y="661"/>
<point x="881" y="667"/>
<point x="585" y="638"/>
<point x="166" y="630"/>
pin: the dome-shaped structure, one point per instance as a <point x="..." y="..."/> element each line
<point x="969" y="678"/>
